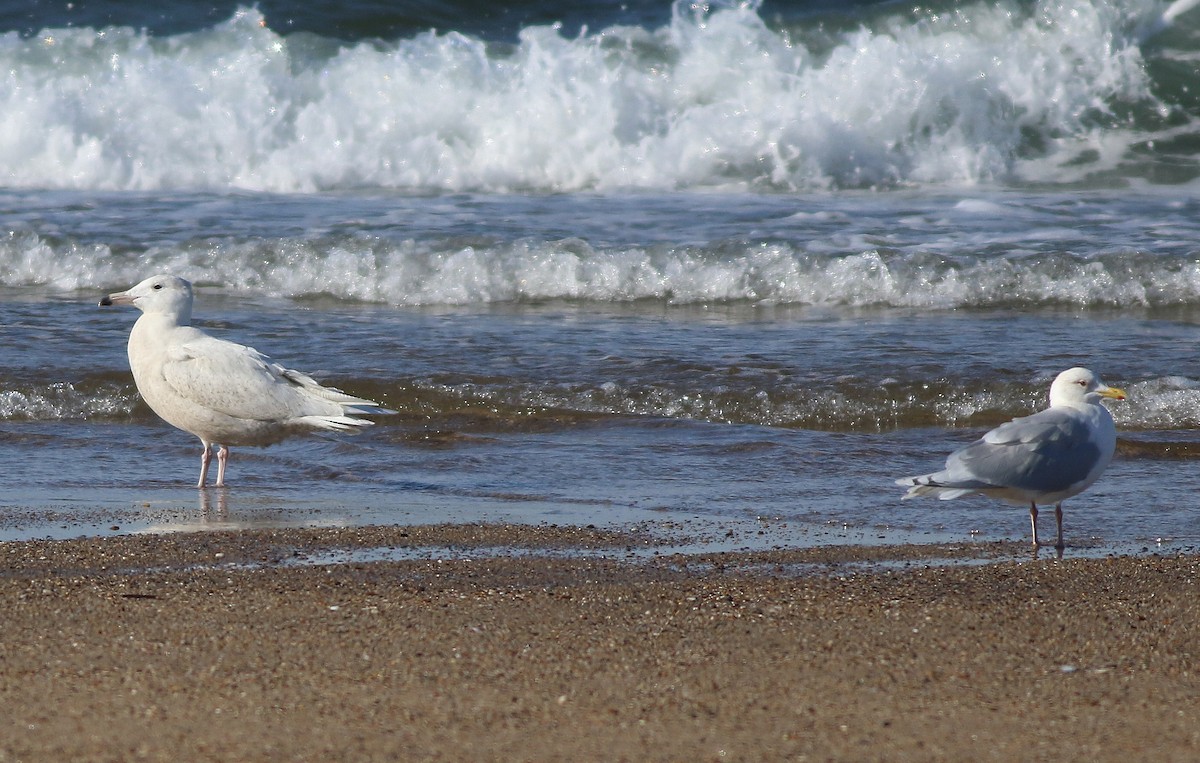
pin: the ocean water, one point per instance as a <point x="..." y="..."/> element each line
<point x="729" y="266"/>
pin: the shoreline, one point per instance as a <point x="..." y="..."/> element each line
<point x="261" y="645"/>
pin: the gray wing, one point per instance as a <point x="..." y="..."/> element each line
<point x="1046" y="452"/>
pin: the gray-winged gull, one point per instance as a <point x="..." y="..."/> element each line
<point x="1044" y="458"/>
<point x="224" y="393"/>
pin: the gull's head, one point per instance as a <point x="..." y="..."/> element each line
<point x="163" y="294"/>
<point x="1077" y="386"/>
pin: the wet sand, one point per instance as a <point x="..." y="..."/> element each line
<point x="581" y="645"/>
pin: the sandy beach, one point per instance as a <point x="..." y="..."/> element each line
<point x="247" y="646"/>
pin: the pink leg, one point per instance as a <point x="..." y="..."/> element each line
<point x="205" y="458"/>
<point x="222" y="459"/>
<point x="1033" y="512"/>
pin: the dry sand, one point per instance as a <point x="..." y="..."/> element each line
<point x="237" y="646"/>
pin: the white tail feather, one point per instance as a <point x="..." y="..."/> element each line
<point x="349" y="403"/>
<point x="335" y="423"/>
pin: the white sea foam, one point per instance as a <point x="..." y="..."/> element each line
<point x="63" y="401"/>
<point x="1171" y="402"/>
<point x="715" y="99"/>
<point x="415" y="273"/>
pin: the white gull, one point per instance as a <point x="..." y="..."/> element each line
<point x="1044" y="458"/>
<point x="222" y="392"/>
